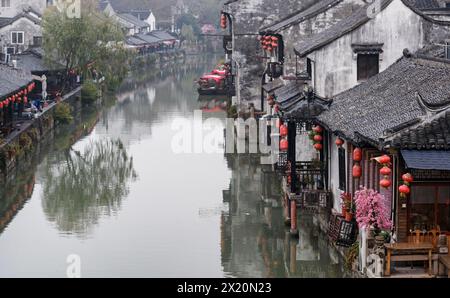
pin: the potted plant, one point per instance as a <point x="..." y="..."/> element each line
<point x="351" y="210"/>
<point x="372" y="212"/>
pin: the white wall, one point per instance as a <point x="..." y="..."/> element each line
<point x="151" y="20"/>
<point x="334" y="173"/>
<point x="397" y="27"/>
<point x="25" y="25"/>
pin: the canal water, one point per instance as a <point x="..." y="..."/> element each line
<point x="112" y="195"/>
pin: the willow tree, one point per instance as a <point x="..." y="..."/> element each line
<point x="81" y="187"/>
<point x="90" y="39"/>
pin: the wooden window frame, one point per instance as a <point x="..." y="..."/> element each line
<point x="365" y="72"/>
<point x="17" y="37"/>
<point x="436" y="186"/>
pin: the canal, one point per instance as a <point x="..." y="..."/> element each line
<point x="111" y="190"/>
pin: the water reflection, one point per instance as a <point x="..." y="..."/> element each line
<point x="254" y="240"/>
<point x="85" y="185"/>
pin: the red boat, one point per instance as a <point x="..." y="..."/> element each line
<point x="215" y="83"/>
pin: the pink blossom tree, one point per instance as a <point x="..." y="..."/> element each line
<point x="372" y="210"/>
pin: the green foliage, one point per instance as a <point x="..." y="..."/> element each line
<point x="63" y="113"/>
<point x="351" y="256"/>
<point x="187" y="33"/>
<point x="78" y="42"/>
<point x="89" y="92"/>
<point x="25" y="141"/>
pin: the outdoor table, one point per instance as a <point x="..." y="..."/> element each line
<point x="417" y="252"/>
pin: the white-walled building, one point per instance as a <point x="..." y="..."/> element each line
<point x="11" y="8"/>
<point x="138" y="11"/>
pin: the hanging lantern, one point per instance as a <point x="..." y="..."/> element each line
<point x="339" y="142"/>
<point x="284" y="145"/>
<point x="223" y="21"/>
<point x="318" y="146"/>
<point x="357" y="154"/>
<point x="317" y="129"/>
<point x="386" y="183"/>
<point x="1" y="104"/>
<point x="283" y="130"/>
<point x="385" y="171"/>
<point x="404" y="190"/>
<point x="318" y="138"/>
<point x="385" y="159"/>
<point x="407" y="178"/>
<point x="25" y="100"/>
<point x="357" y="171"/>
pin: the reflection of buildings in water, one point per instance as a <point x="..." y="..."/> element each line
<point x="255" y="242"/>
<point x="145" y="100"/>
<point x="14" y="195"/>
<point x="17" y="188"/>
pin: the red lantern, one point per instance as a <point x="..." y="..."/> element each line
<point x="1" y="104"/>
<point x="284" y="145"/>
<point x="223" y="21"/>
<point x="317" y="129"/>
<point x="25" y="100"/>
<point x="386" y="183"/>
<point x="404" y="189"/>
<point x="385" y="159"/>
<point x="318" y="146"/>
<point x="283" y="130"/>
<point x="318" y="138"/>
<point x="357" y="154"/>
<point x="408" y="178"/>
<point x="357" y="171"/>
<point x="385" y="171"/>
<point x="339" y="142"/>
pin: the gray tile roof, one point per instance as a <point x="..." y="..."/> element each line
<point x="424" y="4"/>
<point x="149" y="39"/>
<point x="434" y="134"/>
<point x="7" y="21"/>
<point x="31" y="61"/>
<point x="301" y="15"/>
<point x="391" y="101"/>
<point x="343" y="27"/>
<point x="133" y="20"/>
<point x="130" y="5"/>
<point x="135" y="41"/>
<point x="12" y="79"/>
<point x="347" y="25"/>
<point x="163" y="35"/>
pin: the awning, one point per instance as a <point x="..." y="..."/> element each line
<point x="272" y="86"/>
<point x="427" y="159"/>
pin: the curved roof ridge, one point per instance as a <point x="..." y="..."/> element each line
<point x="353" y="22"/>
<point x="300" y="15"/>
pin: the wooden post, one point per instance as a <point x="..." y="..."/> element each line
<point x="294" y="230"/>
<point x="287" y="211"/>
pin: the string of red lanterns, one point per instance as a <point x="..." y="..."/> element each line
<point x="284" y="144"/>
<point x="317" y="137"/>
<point x="357" y="158"/>
<point x="223" y="21"/>
<point x="405" y="189"/>
<point x="268" y="42"/>
<point x="18" y="97"/>
<point x="385" y="170"/>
